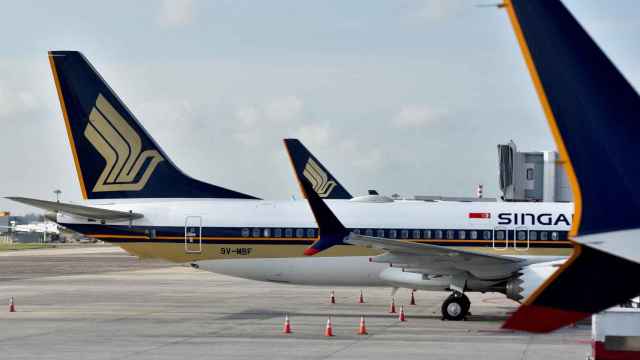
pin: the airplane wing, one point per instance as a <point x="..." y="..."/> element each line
<point x="79" y="210"/>
<point x="439" y="260"/>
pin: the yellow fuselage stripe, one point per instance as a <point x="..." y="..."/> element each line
<point x="144" y="237"/>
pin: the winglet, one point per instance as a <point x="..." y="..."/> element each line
<point x="305" y="165"/>
<point x="593" y="114"/>
<point x="332" y="232"/>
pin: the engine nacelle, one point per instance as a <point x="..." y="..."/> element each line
<point x="530" y="278"/>
<point x="405" y="279"/>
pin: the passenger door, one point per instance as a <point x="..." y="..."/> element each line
<point x="193" y="234"/>
<point x="500" y="241"/>
<point x="521" y="238"/>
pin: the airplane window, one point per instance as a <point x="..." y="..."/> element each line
<point x="404" y="234"/>
<point x="356" y="231"/>
<point x="311" y="233"/>
<point x="267" y="232"/>
<point x="288" y="232"/>
<point x="499" y="234"/>
<point x="368" y="232"/>
<point x="393" y="234"/>
<point x="554" y="235"/>
<point x="533" y="235"/>
<point x="450" y="234"/>
<point x="245" y="232"/>
<point x="462" y="235"/>
<point x="521" y="235"/>
<point x="277" y="232"/>
<point x="529" y="174"/>
<point x="416" y="234"/>
<point x="299" y="233"/>
<point x="380" y="233"/>
<point x="473" y="235"/>
<point x="486" y="235"/>
<point x="255" y="232"/>
<point x="544" y="235"/>
<point x="438" y="234"/>
<point x="426" y="234"/>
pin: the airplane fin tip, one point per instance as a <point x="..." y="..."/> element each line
<point x="310" y="251"/>
<point x="541" y="319"/>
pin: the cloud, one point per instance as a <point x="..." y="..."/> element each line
<point x="277" y="115"/>
<point x="14" y="102"/>
<point x="284" y="109"/>
<point x="415" y="116"/>
<point x="436" y="9"/>
<point x="314" y="134"/>
<point x="248" y="116"/>
<point x="175" y="13"/>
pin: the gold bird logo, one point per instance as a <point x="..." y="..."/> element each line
<point x="121" y="147"/>
<point x="318" y="178"/>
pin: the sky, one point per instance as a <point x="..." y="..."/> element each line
<point x="407" y="96"/>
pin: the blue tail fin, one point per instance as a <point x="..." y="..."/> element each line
<point x="114" y="156"/>
<point x="593" y="113"/>
<point x="306" y="165"/>
<point x="332" y="232"/>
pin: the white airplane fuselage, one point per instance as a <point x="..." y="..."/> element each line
<point x="265" y="240"/>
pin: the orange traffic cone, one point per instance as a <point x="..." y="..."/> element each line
<point x="328" y="331"/>
<point x="12" y="305"/>
<point x="413" y="299"/>
<point x="392" y="306"/>
<point x="287" y="325"/>
<point x="332" y="298"/>
<point x="401" y="317"/>
<point x="361" y="298"/>
<point x="362" y="330"/>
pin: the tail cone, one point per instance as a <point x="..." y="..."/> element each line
<point x="362" y="330"/>
<point x="401" y="317"/>
<point x="287" y="325"/>
<point x="12" y="305"/>
<point x="361" y="298"/>
<point x="413" y="298"/>
<point x="328" y="331"/>
<point x="332" y="298"/>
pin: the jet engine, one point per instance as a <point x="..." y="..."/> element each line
<point x="530" y="278"/>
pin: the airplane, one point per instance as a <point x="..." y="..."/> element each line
<point x="137" y="198"/>
<point x="593" y="114"/>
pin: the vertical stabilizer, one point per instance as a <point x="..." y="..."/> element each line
<point x="114" y="156"/>
<point x="305" y="165"/>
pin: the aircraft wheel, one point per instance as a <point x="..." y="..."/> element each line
<point x="455" y="307"/>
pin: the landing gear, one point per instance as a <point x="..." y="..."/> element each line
<point x="456" y="307"/>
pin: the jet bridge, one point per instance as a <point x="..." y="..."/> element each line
<point x="532" y="176"/>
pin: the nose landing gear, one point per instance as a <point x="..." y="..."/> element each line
<point x="456" y="307"/>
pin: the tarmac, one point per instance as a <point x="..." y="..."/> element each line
<point x="100" y="303"/>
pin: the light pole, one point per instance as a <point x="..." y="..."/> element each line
<point x="57" y="192"/>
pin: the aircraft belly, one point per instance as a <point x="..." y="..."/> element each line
<point x="325" y="271"/>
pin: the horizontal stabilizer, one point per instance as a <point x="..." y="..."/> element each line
<point x="78" y="210"/>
